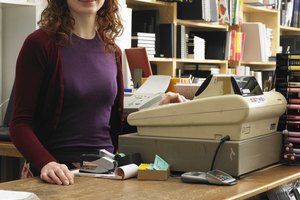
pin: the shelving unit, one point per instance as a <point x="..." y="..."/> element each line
<point x="272" y="20"/>
<point x="168" y="14"/>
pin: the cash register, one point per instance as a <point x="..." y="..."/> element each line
<point x="187" y="134"/>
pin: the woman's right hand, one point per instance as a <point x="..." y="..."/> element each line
<point x="56" y="173"/>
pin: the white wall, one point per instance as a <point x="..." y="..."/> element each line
<point x="41" y="4"/>
<point x="124" y="41"/>
<point x="17" y="21"/>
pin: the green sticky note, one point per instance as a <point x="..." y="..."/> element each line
<point x="160" y="164"/>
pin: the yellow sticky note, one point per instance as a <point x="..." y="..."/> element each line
<point x="143" y="166"/>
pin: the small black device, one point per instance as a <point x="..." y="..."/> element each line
<point x="215" y="177"/>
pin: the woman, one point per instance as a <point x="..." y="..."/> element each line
<point x="69" y="87"/>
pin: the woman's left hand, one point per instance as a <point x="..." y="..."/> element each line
<point x="172" y="97"/>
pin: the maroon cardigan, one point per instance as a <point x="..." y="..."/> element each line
<point x="38" y="98"/>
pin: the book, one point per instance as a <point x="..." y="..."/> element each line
<point x="181" y="49"/>
<point x="255" y="41"/>
<point x="232" y="55"/>
<point x="144" y="34"/>
<point x="240" y="43"/>
<point x="214" y="11"/>
<point x="143" y="38"/>
<point x="223" y="7"/>
<point x="141" y="42"/>
<point x="295" y="13"/>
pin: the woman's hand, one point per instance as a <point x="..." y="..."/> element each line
<point x="172" y="97"/>
<point x="56" y="173"/>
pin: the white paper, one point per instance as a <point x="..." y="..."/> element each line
<point x="123" y="172"/>
<point x="155" y="84"/>
<point x="17" y="195"/>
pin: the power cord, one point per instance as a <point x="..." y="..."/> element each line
<point x="225" y="138"/>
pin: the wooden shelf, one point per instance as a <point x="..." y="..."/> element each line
<point x="289" y="30"/>
<point x="206" y="61"/>
<point x="258" y="63"/>
<point x="157" y="59"/>
<point x="9" y="149"/>
<point x="200" y="24"/>
<point x="258" y="9"/>
<point x="148" y="3"/>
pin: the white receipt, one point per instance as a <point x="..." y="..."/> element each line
<point x="155" y="84"/>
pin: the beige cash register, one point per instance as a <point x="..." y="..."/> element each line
<point x="224" y="105"/>
<point x="187" y="134"/>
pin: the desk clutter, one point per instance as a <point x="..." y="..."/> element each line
<point x="287" y="82"/>
<point x="121" y="166"/>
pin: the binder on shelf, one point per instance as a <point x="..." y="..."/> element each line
<point x="166" y="38"/>
<point x="295" y="14"/>
<point x="146" y="21"/>
<point x="181" y="42"/>
<point x="214" y="11"/>
<point x="224" y="12"/>
<point x="191" y="11"/>
<point x="254" y="49"/>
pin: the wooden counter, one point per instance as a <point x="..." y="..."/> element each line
<point x="8" y="149"/>
<point x="86" y="188"/>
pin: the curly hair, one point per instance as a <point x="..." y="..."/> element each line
<point x="56" y="20"/>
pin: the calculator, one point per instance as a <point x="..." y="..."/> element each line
<point x="215" y="177"/>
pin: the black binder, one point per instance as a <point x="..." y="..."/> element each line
<point x="190" y="11"/>
<point x="166" y="38"/>
<point x="215" y="43"/>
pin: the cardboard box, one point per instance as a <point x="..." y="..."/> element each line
<point x="153" y="174"/>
